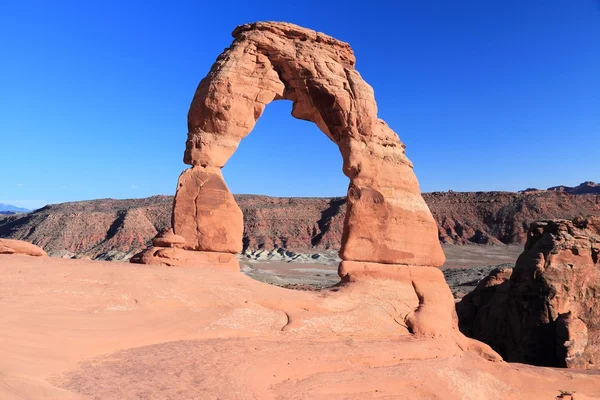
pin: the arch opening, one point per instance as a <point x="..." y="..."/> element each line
<point x="286" y="176"/>
<point x="286" y="157"/>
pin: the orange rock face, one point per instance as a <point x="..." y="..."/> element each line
<point x="387" y="220"/>
<point x="10" y="246"/>
<point x="545" y="312"/>
<point x="389" y="232"/>
<point x="205" y="213"/>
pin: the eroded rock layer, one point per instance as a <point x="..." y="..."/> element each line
<point x="545" y="312"/>
<point x="116" y="229"/>
<point x="387" y="220"/>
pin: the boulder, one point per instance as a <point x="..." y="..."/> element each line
<point x="546" y="312"/>
<point x="10" y="246"/>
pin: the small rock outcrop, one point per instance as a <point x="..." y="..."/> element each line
<point x="167" y="238"/>
<point x="176" y="257"/>
<point x="10" y="246"/>
<point x="546" y="311"/>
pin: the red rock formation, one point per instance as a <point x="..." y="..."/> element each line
<point x="387" y="220"/>
<point x="388" y="229"/>
<point x="205" y="213"/>
<point x="502" y="217"/>
<point x="546" y="312"/>
<point x="9" y="246"/>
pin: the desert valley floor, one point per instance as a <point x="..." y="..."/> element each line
<point x="464" y="268"/>
<point x="75" y="329"/>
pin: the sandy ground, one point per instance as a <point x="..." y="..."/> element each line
<point x="73" y="329"/>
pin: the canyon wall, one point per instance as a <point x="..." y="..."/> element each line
<point x="117" y="229"/>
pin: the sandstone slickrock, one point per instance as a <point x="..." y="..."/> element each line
<point x="387" y="220"/>
<point x="545" y="312"/>
<point x="6" y="250"/>
<point x="201" y="333"/>
<point x="9" y="246"/>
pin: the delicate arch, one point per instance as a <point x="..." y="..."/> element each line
<point x="387" y="220"/>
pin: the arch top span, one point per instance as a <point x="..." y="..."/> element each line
<point x="272" y="61"/>
<point x="387" y="221"/>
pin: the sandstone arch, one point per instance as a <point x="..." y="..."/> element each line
<point x="387" y="220"/>
<point x="390" y="240"/>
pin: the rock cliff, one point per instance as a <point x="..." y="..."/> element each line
<point x="116" y="229"/>
<point x="544" y="312"/>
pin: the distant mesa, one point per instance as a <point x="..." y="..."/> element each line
<point x="531" y="190"/>
<point x="588" y="187"/>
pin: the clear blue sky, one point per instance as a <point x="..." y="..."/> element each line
<point x="487" y="95"/>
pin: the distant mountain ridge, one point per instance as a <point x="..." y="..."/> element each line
<point x="10" y="209"/>
<point x="116" y="229"/>
<point x="588" y="187"/>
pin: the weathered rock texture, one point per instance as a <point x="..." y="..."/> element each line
<point x="205" y="213"/>
<point x="546" y="312"/>
<point x="9" y="246"/>
<point x="387" y="220"/>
